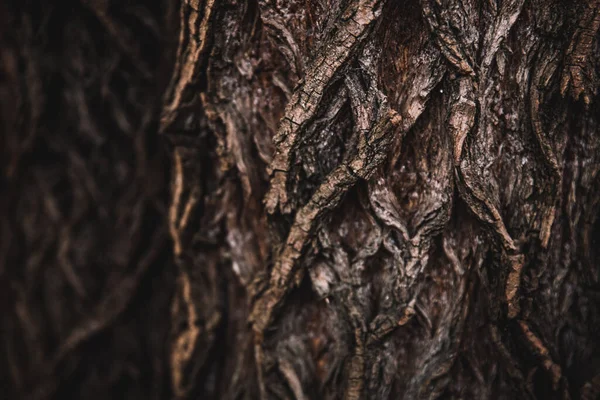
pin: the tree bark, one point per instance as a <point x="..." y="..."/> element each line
<point x="300" y="199"/>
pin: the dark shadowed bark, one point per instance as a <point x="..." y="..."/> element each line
<point x="300" y="199"/>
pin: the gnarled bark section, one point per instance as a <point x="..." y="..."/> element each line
<point x="368" y="199"/>
<point x="349" y="32"/>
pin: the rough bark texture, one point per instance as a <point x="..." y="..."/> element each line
<point x="300" y="199"/>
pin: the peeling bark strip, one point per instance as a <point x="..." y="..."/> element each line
<point x="540" y="80"/>
<point x="577" y="77"/>
<point x="194" y="17"/>
<point x="186" y="342"/>
<point x="300" y="199"/>
<point x="180" y="211"/>
<point x="513" y="283"/>
<point x="542" y="352"/>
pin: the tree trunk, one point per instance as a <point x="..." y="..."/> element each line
<point x="300" y="199"/>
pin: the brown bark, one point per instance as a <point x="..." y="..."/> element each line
<point x="303" y="199"/>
